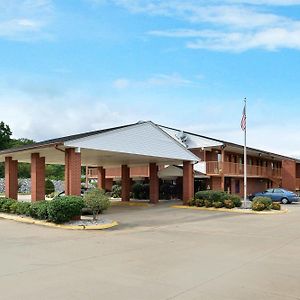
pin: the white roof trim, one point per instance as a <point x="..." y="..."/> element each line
<point x="144" y="138"/>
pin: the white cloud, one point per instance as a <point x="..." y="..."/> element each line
<point x="24" y="20"/>
<point x="158" y="80"/>
<point x="270" y="39"/>
<point x="49" y="113"/>
<point x="228" y="25"/>
<point x="121" y="83"/>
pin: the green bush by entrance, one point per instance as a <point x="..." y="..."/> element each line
<point x="216" y="198"/>
<point x="60" y="210"/>
<point x="63" y="209"/>
<point x="263" y="203"/>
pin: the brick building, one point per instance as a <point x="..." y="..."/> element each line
<point x="222" y="165"/>
<point x="147" y="151"/>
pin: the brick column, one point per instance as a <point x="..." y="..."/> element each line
<point x="125" y="175"/>
<point x="11" y="178"/>
<point x="154" y="183"/>
<point x="289" y="174"/>
<point x="37" y="177"/>
<point x="72" y="172"/>
<point x="101" y="178"/>
<point x="188" y="181"/>
<point x="222" y="170"/>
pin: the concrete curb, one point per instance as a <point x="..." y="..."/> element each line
<point x="240" y="211"/>
<point x="130" y="203"/>
<point x="53" y="225"/>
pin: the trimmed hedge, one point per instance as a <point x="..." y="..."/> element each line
<point x="262" y="203"/>
<point x="39" y="210"/>
<point x="60" y="210"/>
<point x="63" y="209"/>
<point x="276" y="206"/>
<point x="219" y="197"/>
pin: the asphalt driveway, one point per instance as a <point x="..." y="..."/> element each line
<point x="156" y="253"/>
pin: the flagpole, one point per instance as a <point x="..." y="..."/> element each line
<point x="245" y="156"/>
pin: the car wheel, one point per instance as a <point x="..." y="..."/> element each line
<point x="284" y="201"/>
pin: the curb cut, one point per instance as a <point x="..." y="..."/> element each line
<point x="53" y="225"/>
<point x="249" y="212"/>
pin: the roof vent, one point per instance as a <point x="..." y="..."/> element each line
<point x="182" y="137"/>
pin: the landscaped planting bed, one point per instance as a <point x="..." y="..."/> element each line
<point x="219" y="199"/>
<point x="264" y="203"/>
<point x="60" y="210"/>
<point x="215" y="199"/>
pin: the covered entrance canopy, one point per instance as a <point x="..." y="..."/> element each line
<point x="142" y="143"/>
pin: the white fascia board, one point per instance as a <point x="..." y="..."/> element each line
<point x="145" y="139"/>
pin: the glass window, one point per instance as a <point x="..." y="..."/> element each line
<point x="278" y="191"/>
<point x="269" y="191"/>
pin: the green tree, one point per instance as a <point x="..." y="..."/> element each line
<point x="20" y="142"/>
<point x="5" y="134"/>
<point x="55" y="172"/>
<point x="24" y="170"/>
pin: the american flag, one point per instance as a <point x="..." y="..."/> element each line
<point x="243" y="121"/>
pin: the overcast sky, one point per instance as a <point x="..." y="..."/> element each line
<point x="73" y="66"/>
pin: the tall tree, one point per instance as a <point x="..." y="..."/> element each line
<point x="5" y="134"/>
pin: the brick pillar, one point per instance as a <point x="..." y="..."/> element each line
<point x="222" y="171"/>
<point x="101" y="178"/>
<point x="289" y="174"/>
<point x="72" y="172"/>
<point x="37" y="177"/>
<point x="11" y="178"/>
<point x="154" y="183"/>
<point x="125" y="175"/>
<point x="188" y="181"/>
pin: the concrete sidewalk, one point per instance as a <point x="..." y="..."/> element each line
<point x="156" y="253"/>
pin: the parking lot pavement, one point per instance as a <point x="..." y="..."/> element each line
<point x="157" y="252"/>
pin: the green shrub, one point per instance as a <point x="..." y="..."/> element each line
<point x="63" y="209"/>
<point x="213" y="196"/>
<point x="258" y="206"/>
<point x="5" y="204"/>
<point x="235" y="199"/>
<point x="97" y="201"/>
<point x="218" y="204"/>
<point x="23" y="208"/>
<point x="205" y="195"/>
<point x="265" y="201"/>
<point x="49" y="187"/>
<point x="192" y="202"/>
<point x="207" y="203"/>
<point x="140" y="190"/>
<point x="276" y="206"/>
<point x="39" y="210"/>
<point x="199" y="202"/>
<point x="116" y="191"/>
<point x="13" y="207"/>
<point x="218" y="196"/>
<point x="167" y="191"/>
<point x="229" y="204"/>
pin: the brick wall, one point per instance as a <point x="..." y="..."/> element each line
<point x="289" y="174"/>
